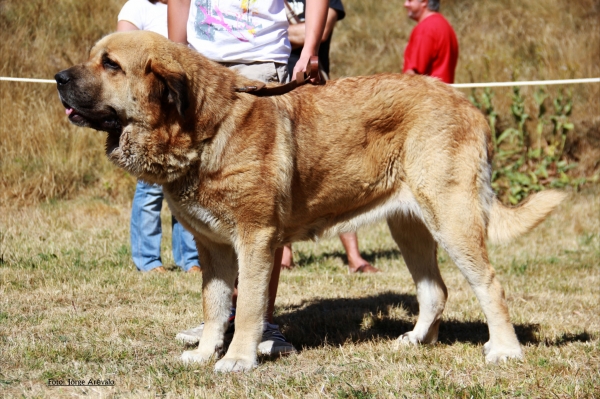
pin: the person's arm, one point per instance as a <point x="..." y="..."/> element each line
<point x="124" y="26"/>
<point x="420" y="55"/>
<point x="178" y="12"/>
<point x="314" y="16"/>
<point x="296" y="32"/>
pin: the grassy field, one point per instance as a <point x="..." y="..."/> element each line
<point x="73" y="306"/>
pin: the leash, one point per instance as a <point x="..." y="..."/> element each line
<point x="261" y="90"/>
<point x="290" y="14"/>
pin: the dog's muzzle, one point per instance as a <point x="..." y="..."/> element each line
<point x="80" y="104"/>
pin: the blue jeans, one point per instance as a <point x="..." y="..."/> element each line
<point x="146" y="232"/>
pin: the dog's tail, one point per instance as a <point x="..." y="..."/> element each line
<point x="508" y="223"/>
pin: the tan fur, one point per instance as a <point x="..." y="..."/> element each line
<point x="246" y="174"/>
<point x="509" y="223"/>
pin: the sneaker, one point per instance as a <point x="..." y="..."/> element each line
<point x="193" y="335"/>
<point x="273" y="342"/>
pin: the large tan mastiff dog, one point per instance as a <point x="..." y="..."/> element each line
<point x="246" y="174"/>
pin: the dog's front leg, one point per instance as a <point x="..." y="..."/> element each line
<point x="255" y="265"/>
<point x="219" y="270"/>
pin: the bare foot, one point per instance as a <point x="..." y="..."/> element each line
<point x="289" y="266"/>
<point x="194" y="269"/>
<point x="364" y="268"/>
<point x="159" y="269"/>
<point x="356" y="264"/>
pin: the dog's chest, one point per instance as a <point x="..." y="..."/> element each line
<point x="200" y="219"/>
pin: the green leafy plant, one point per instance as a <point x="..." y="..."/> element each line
<point x="526" y="162"/>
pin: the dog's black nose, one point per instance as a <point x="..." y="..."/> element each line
<point x="62" y="77"/>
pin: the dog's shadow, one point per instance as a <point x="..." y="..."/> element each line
<point x="304" y="259"/>
<point x="334" y="322"/>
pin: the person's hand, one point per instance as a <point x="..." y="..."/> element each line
<point x="315" y="16"/>
<point x="301" y="67"/>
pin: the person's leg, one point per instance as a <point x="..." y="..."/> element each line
<point x="145" y="226"/>
<point x="287" y="259"/>
<point x="185" y="253"/>
<point x="356" y="263"/>
<point x="273" y="342"/>
<point x="274" y="284"/>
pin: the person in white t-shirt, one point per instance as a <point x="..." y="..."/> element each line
<point x="144" y="15"/>
<point x="145" y="226"/>
<point x="252" y="38"/>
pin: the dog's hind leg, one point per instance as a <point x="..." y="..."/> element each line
<point x="419" y="251"/>
<point x="462" y="233"/>
<point x="219" y="270"/>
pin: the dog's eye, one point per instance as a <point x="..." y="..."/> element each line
<point x="110" y="64"/>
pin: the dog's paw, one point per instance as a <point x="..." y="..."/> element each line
<point x="497" y="355"/>
<point x="196" y="356"/>
<point x="226" y="365"/>
<point x="408" y="338"/>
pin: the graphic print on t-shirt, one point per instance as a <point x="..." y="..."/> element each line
<point x="236" y="19"/>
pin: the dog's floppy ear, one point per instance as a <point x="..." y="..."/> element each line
<point x="171" y="73"/>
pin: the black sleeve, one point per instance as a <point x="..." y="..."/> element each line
<point x="339" y="7"/>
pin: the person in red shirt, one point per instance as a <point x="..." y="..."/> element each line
<point x="432" y="47"/>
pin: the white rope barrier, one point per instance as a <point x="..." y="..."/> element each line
<point x="530" y="83"/>
<point x="457" y="85"/>
<point x="28" y="80"/>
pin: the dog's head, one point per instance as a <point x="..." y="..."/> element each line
<point x="134" y="88"/>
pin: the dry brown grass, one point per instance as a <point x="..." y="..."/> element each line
<point x="42" y="157"/>
<point x="73" y="306"/>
